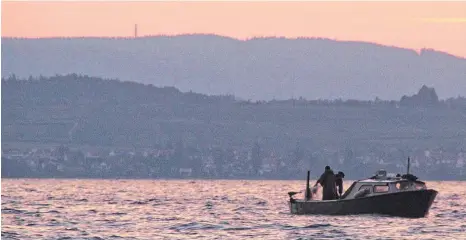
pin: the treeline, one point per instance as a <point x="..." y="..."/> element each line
<point x="80" y="89"/>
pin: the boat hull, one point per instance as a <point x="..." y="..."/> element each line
<point x="410" y="204"/>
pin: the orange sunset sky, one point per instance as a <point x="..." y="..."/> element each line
<point x="416" y="25"/>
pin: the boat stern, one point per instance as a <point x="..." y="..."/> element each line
<point x="293" y="207"/>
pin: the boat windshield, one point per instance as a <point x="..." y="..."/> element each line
<point x="419" y="185"/>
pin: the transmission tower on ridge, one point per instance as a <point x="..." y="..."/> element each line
<point x="135" y="30"/>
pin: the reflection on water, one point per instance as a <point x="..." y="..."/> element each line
<point x="202" y="209"/>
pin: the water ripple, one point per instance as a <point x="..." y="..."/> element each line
<point x="202" y="209"/>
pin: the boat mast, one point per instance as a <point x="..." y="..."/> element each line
<point x="407" y="171"/>
<point x="308" y="190"/>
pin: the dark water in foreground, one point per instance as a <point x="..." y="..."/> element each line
<point x="143" y="209"/>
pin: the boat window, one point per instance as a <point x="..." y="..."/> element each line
<point x="402" y="185"/>
<point x="368" y="187"/>
<point x="380" y="188"/>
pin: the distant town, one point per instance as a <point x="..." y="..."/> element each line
<point x="175" y="162"/>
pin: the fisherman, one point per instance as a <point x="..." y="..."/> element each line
<point x="327" y="181"/>
<point x="339" y="183"/>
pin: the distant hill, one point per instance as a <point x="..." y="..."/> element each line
<point x="89" y="118"/>
<point x="257" y="69"/>
<point x="83" y="110"/>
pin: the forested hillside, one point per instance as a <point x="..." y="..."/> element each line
<point x="77" y="111"/>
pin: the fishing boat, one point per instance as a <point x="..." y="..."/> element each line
<point x="385" y="194"/>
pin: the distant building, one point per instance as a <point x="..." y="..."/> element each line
<point x="185" y="172"/>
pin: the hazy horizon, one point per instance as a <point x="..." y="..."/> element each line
<point x="411" y="25"/>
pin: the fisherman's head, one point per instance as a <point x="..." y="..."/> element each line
<point x="341" y="174"/>
<point x="327" y="168"/>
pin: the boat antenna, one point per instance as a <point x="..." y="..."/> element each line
<point x="407" y="171"/>
<point x="308" y="190"/>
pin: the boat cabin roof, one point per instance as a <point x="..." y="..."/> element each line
<point x="382" y="176"/>
<point x="387" y="180"/>
<point x="382" y="183"/>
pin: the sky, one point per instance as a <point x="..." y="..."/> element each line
<point x="414" y="25"/>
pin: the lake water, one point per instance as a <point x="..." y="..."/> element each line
<point x="203" y="209"/>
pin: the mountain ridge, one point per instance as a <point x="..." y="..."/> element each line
<point x="314" y="68"/>
<point x="240" y="40"/>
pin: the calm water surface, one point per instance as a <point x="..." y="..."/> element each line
<point x="202" y="209"/>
